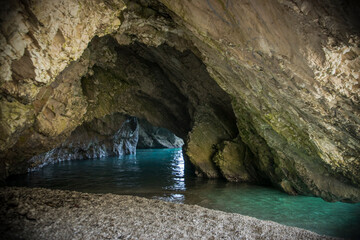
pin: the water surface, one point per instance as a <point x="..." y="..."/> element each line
<point x="163" y="174"/>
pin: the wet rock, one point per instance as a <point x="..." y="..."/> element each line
<point x="286" y="185"/>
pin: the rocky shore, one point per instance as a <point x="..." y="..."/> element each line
<point x="35" y="213"/>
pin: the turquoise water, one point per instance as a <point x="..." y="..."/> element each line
<point x="163" y="174"/>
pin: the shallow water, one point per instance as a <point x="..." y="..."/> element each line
<point x="163" y="174"/>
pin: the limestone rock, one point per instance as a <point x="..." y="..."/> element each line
<point x="235" y="162"/>
<point x="126" y="139"/>
<point x="112" y="135"/>
<point x="93" y="139"/>
<point x="281" y="75"/>
<point x="156" y="137"/>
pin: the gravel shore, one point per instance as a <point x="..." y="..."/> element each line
<point x="35" y="213"/>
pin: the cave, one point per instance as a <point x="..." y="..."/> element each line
<point x="252" y="92"/>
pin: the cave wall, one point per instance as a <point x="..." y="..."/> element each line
<point x="167" y="87"/>
<point x="107" y="136"/>
<point x="156" y="137"/>
<point x="292" y="70"/>
<point x="161" y="84"/>
<point x="270" y="88"/>
<point x="112" y="135"/>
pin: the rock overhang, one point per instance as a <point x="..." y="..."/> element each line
<point x="289" y="72"/>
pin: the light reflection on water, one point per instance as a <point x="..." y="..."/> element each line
<point x="163" y="174"/>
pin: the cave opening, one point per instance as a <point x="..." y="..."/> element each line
<point x="159" y="86"/>
<point x="140" y="97"/>
<point x="133" y="94"/>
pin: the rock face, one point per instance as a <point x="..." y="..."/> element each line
<point x="263" y="91"/>
<point x="126" y="138"/>
<point x="156" y="137"/>
<point x="108" y="136"/>
<point x="235" y="162"/>
<point x="112" y="135"/>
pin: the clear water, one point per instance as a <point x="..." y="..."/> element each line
<point x="163" y="174"/>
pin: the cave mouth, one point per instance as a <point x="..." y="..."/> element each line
<point x="172" y="89"/>
<point x="156" y="85"/>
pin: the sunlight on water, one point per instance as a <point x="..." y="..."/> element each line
<point x="163" y="174"/>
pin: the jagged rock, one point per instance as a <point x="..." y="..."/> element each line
<point x="126" y="139"/>
<point x="157" y="137"/>
<point x="112" y="135"/>
<point x="282" y="76"/>
<point x="93" y="139"/>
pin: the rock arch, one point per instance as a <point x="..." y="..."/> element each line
<point x="276" y="88"/>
